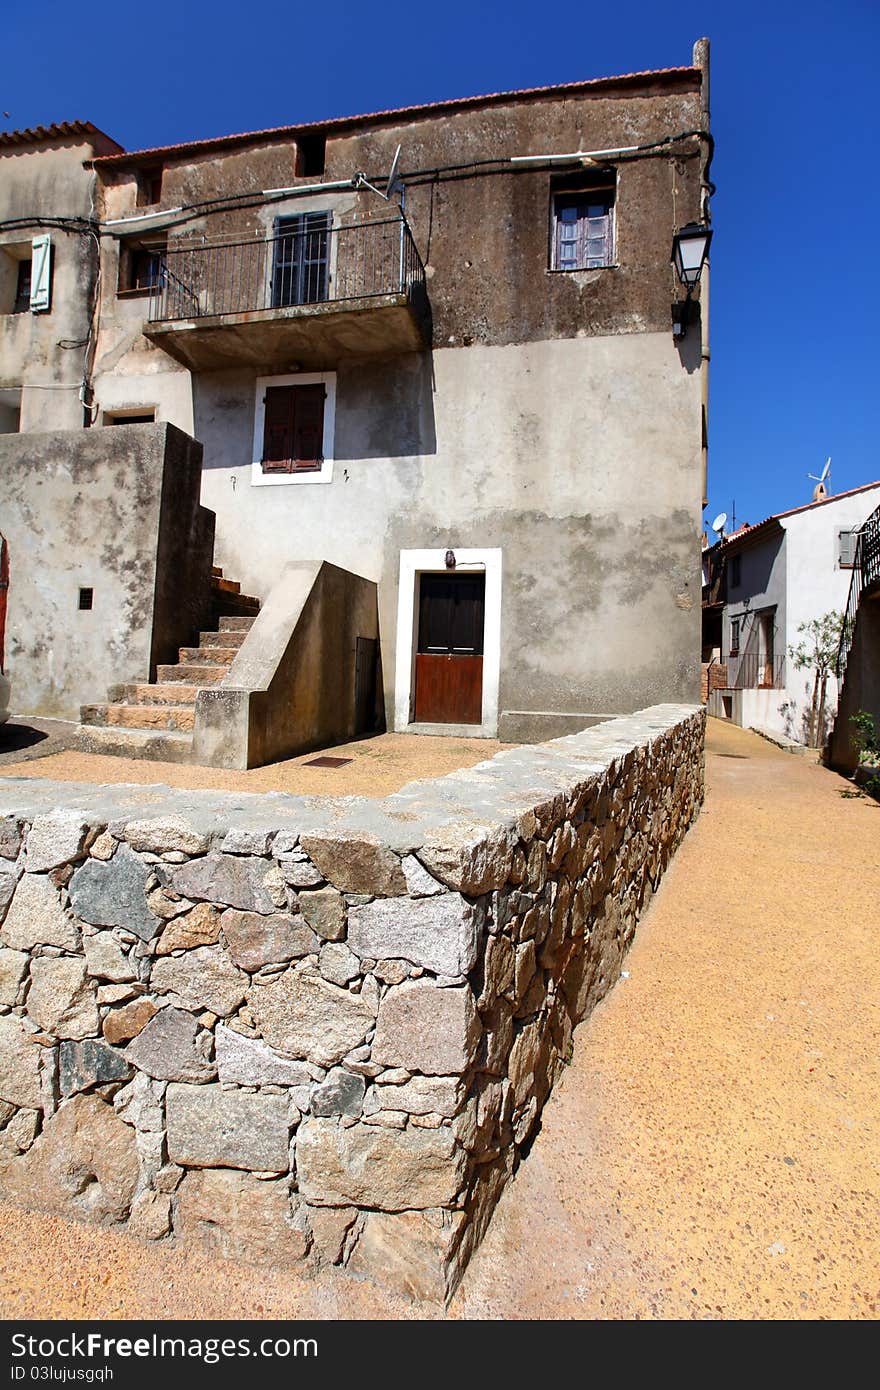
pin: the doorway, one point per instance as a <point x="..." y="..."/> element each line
<point x="766" y="653"/>
<point x="449" y="650"/>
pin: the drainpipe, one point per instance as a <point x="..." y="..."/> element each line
<point x="701" y="61"/>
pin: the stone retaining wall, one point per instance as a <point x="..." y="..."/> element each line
<point x="314" y="1030"/>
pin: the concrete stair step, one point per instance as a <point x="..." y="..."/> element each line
<point x="160" y="745"/>
<point x="236" y="622"/>
<point x="193" y="673"/>
<point x="168" y="693"/>
<point x="178" y="718"/>
<point x="209" y="640"/>
<point x="213" y="656"/>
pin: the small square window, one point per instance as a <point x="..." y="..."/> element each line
<point x="149" y="187"/>
<point x="582" y="232"/>
<point x="86" y="599"/>
<point x="311" y="151"/>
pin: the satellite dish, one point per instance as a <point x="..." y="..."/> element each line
<point x="393" y="180"/>
<point x="720" y="522"/>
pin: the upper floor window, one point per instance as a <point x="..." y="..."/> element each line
<point x="26" y="276"/>
<point x="310" y="156"/>
<point x="140" y="267"/>
<point x="300" y="264"/>
<point x="846" y="548"/>
<point x="22" y="300"/>
<point x="582" y="233"/>
<point x="734" y="636"/>
<point x="149" y="186"/>
<point x="735" y="571"/>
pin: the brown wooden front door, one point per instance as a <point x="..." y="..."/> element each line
<point x="449" y="655"/>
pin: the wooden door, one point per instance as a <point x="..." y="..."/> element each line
<point x="767" y="658"/>
<point x="449" y="654"/>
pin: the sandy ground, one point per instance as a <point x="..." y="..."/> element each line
<point x="378" y="766"/>
<point x="712" y="1152"/>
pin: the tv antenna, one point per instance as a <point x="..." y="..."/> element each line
<point x="719" y="524"/>
<point x="393" y="183"/>
<point x="820" y="490"/>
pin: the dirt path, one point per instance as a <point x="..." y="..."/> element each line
<point x="712" y="1150"/>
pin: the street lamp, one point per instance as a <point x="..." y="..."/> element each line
<point x="690" y="247"/>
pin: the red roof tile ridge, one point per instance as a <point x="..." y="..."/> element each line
<point x="743" y="531"/>
<point x="336" y="121"/>
<point x="55" y="131"/>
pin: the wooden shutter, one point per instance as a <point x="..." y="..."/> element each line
<point x="308" y="427"/>
<point x="41" y="274"/>
<point x="847" y="551"/>
<point x="278" y="429"/>
<point x="293" y="429"/>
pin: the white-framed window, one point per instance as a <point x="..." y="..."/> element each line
<point x="294" y="421"/>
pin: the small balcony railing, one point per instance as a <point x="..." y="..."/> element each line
<point x="308" y="262"/>
<point x="755" y="671"/>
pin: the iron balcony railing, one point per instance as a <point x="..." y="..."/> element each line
<point x="865" y="575"/>
<point x="307" y="261"/>
<point x="755" y="671"/>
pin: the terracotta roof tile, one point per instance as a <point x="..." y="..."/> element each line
<point x="338" y="122"/>
<point x="61" y="130"/>
<point x="742" y="532"/>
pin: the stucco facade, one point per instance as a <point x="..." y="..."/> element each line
<point x="792" y="570"/>
<point x="46" y="176"/>
<point x="492" y="402"/>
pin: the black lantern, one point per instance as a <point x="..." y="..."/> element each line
<point x="690" y="247"/>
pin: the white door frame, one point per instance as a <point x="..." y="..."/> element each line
<point x="414" y="563"/>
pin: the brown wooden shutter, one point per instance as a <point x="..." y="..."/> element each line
<point x="308" y="427"/>
<point x="278" y="429"/>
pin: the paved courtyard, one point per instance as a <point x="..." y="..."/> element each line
<point x="373" y="766"/>
<point x="712" y="1151"/>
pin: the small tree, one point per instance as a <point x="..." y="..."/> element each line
<point x="817" y="651"/>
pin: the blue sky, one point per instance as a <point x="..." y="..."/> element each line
<point x="795" y="288"/>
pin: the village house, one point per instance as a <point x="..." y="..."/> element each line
<point x="424" y="384"/>
<point x="762" y="583"/>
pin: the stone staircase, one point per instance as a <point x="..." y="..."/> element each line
<point x="157" y="719"/>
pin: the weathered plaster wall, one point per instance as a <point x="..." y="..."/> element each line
<point x="366" y="1004"/>
<point x="799" y="573"/>
<point x="49" y="179"/>
<point x="94" y="509"/>
<point x="596" y="509"/>
<point x="555" y="418"/>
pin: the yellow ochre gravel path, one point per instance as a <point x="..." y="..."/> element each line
<point x="711" y="1152"/>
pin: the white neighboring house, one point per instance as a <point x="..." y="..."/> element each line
<point x="786" y="570"/>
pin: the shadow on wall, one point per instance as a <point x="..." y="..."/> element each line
<point x="384" y="409"/>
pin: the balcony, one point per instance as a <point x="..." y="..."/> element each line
<point x="755" y="671"/>
<point x="312" y="293"/>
